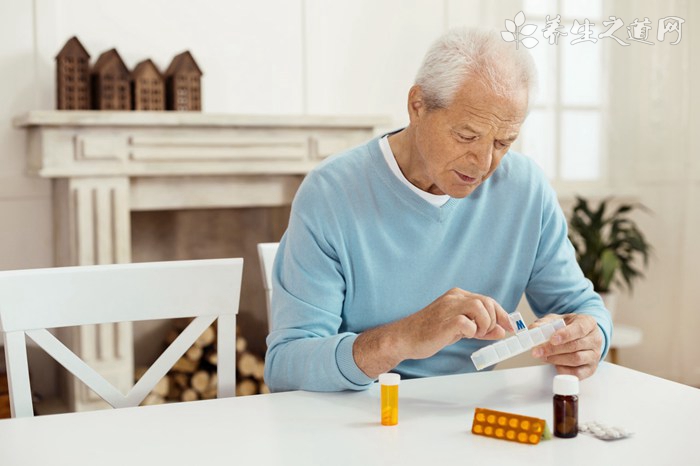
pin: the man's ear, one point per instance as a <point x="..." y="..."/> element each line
<point x="416" y="105"/>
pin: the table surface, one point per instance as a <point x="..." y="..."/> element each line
<point x="435" y="420"/>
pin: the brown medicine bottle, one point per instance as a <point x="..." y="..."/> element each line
<point x="565" y="406"/>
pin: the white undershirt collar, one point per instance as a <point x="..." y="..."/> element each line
<point x="438" y="200"/>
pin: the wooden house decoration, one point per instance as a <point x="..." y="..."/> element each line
<point x="73" y="77"/>
<point x="183" y="84"/>
<point x="110" y="81"/>
<point x="147" y="87"/>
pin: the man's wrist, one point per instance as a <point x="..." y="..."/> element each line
<point x="377" y="350"/>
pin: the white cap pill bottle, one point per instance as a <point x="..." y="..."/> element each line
<point x="389" y="385"/>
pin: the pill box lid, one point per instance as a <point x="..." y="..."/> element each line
<point x="389" y="378"/>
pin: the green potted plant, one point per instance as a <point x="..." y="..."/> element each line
<point x="608" y="245"/>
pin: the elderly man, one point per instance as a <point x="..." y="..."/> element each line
<point x="404" y="254"/>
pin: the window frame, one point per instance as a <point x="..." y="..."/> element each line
<point x="563" y="186"/>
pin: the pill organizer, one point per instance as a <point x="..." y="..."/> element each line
<point x="522" y="341"/>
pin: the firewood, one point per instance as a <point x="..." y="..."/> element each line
<point x="194" y="353"/>
<point x="213" y="358"/>
<point x="259" y="371"/>
<point x="246" y="387"/>
<point x="264" y="388"/>
<point x="200" y="381"/>
<point x="241" y="344"/>
<point x="211" y="390"/>
<point x="206" y="338"/>
<point x="189" y="395"/>
<point x="247" y="364"/>
<point x="181" y="380"/>
<point x="153" y="399"/>
<point x="185" y="365"/>
<point x="162" y="388"/>
<point x="175" y="392"/>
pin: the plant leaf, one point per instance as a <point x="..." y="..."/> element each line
<point x="607" y="242"/>
<point x="528" y="30"/>
<point x="519" y="19"/>
<point x="622" y="209"/>
<point x="507" y="36"/>
<point x="529" y="42"/>
<point x="510" y="25"/>
<point x="609" y="264"/>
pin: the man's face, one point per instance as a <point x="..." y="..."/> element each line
<point x="458" y="147"/>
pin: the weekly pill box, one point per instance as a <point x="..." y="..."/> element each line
<point x="518" y="343"/>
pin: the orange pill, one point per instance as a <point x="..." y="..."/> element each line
<point x="507" y="426"/>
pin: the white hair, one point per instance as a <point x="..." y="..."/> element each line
<point x="461" y="53"/>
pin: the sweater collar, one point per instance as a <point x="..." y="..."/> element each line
<point x="403" y="193"/>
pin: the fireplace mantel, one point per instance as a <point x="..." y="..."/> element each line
<point x="104" y="165"/>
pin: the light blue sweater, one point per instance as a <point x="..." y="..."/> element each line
<point x="362" y="250"/>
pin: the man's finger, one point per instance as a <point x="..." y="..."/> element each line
<point x="503" y="319"/>
<point x="496" y="334"/>
<point x="490" y="306"/>
<point x="478" y="313"/>
<point x="575" y="329"/>
<point x="568" y="347"/>
<point x="579" y="358"/>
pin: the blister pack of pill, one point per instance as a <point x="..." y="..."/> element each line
<point x="602" y="431"/>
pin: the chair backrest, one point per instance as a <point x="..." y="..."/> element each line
<point x="267" y="253"/>
<point x="32" y="301"/>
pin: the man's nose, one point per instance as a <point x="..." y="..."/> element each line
<point x="481" y="155"/>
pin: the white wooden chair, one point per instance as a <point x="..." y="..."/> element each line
<point x="32" y="301"/>
<point x="267" y="253"/>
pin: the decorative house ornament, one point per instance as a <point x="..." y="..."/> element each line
<point x="110" y="80"/>
<point x="73" y="77"/>
<point x="183" y="84"/>
<point x="147" y="87"/>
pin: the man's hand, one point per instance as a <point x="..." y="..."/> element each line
<point x="574" y="349"/>
<point x="455" y="315"/>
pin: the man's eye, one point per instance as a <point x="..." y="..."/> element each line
<point x="464" y="138"/>
<point x="501" y="145"/>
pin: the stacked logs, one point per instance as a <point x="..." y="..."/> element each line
<point x="194" y="377"/>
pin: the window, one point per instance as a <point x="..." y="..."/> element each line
<point x="564" y="131"/>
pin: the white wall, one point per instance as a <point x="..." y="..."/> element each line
<point x="654" y="120"/>
<point x="359" y="57"/>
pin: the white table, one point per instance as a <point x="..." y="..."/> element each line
<point x="343" y="428"/>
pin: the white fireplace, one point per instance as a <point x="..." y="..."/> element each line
<point x="106" y="165"/>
